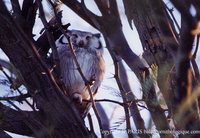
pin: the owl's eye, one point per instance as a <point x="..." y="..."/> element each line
<point x="100" y="46"/>
<point x="75" y="35"/>
<point x="88" y="37"/>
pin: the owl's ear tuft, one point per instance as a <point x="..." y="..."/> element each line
<point x="98" y="35"/>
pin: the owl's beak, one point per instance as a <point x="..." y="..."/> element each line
<point x="81" y="44"/>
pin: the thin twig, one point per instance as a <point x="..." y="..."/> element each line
<point x="106" y="100"/>
<point x="90" y="123"/>
<point x="172" y="15"/>
<point x="87" y="83"/>
<point x="196" y="47"/>
<point x="76" y="61"/>
<point x="19" y="98"/>
<point x="127" y="103"/>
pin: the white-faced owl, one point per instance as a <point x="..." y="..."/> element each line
<point x="89" y="53"/>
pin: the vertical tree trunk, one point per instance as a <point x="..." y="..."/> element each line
<point x="119" y="44"/>
<point x="157" y="39"/>
<point x="134" y="111"/>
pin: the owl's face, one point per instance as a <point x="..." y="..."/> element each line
<point x="82" y="42"/>
<point x="86" y="40"/>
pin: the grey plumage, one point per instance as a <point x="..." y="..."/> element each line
<point x="88" y="50"/>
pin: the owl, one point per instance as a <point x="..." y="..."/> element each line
<point x="89" y="53"/>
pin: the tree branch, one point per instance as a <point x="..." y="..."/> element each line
<point x="58" y="111"/>
<point x="79" y="9"/>
<point x="29" y="11"/>
<point x="50" y="38"/>
<point x="19" y="98"/>
<point x="183" y="69"/>
<point x="4" y="134"/>
<point x="196" y="46"/>
<point x="26" y="6"/>
<point x="173" y="17"/>
<point x="13" y="121"/>
<point x="17" y="16"/>
<point x="103" y="6"/>
<point x="16" y="7"/>
<point x="114" y="9"/>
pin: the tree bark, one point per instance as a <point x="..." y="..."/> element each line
<point x="4" y="134"/>
<point x="61" y="117"/>
<point x="18" y="122"/>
